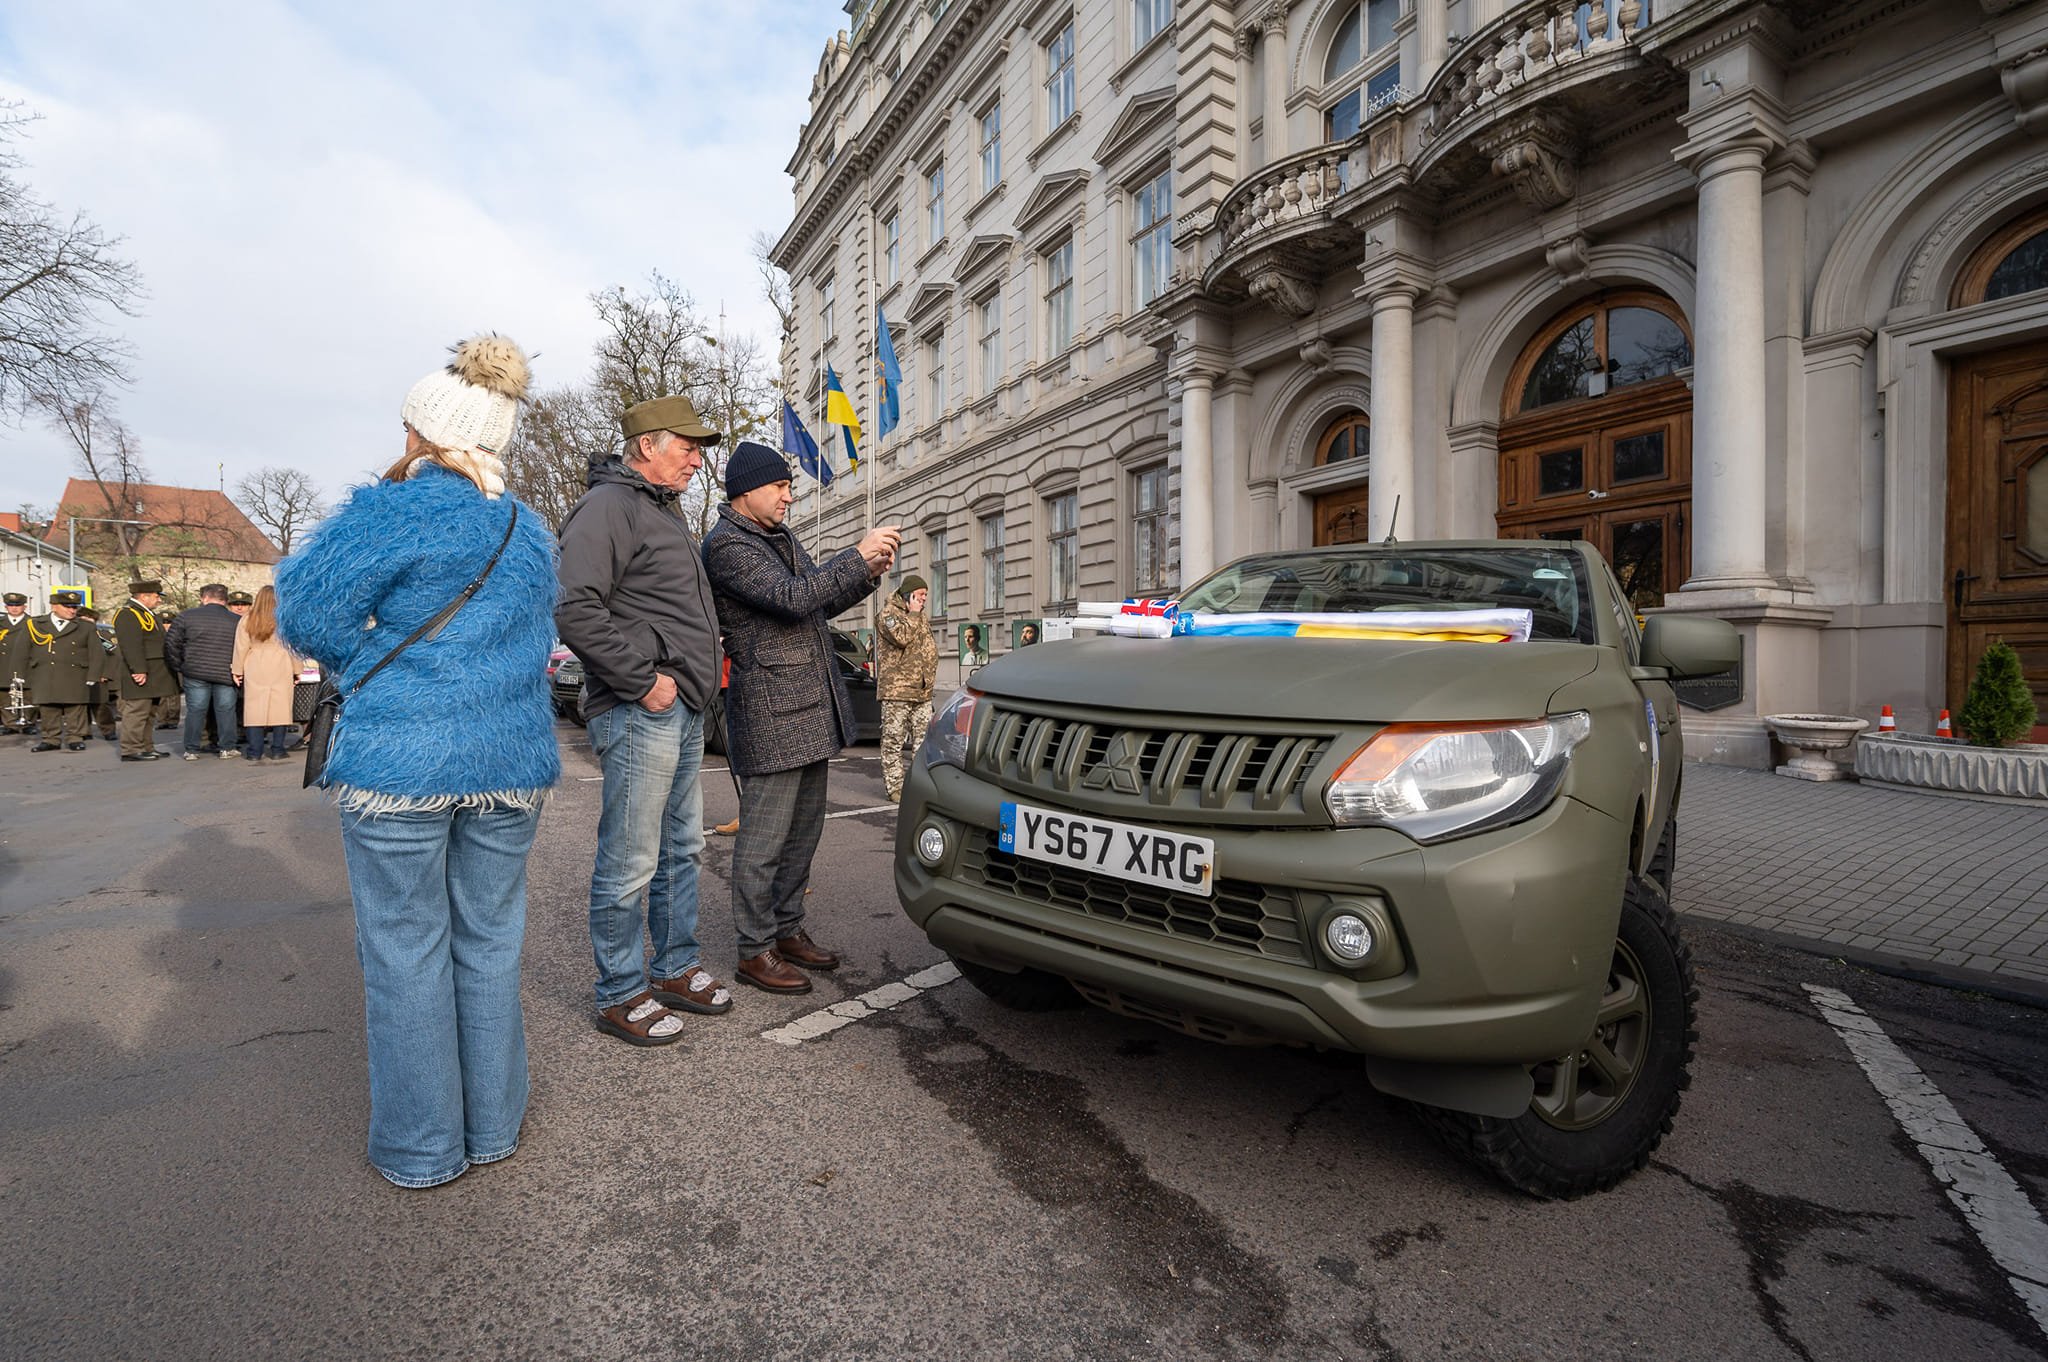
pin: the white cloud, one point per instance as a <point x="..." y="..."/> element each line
<point x="320" y="201"/>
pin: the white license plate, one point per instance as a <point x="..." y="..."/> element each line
<point x="1170" y="860"/>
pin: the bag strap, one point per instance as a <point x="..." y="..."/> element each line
<point x="433" y="627"/>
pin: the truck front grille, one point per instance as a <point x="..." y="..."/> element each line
<point x="1258" y="919"/>
<point x="1198" y="770"/>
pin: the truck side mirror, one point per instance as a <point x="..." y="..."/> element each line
<point x="1690" y="645"/>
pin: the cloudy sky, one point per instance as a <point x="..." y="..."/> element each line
<point x="321" y="197"/>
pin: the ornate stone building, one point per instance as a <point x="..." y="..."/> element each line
<point x="1752" y="295"/>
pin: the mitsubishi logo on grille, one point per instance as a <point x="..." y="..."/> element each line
<point x="1118" y="769"/>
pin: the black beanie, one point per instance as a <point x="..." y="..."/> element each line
<point x="752" y="465"/>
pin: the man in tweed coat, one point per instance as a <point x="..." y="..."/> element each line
<point x="787" y="712"/>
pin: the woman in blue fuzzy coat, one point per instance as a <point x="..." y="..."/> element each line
<point x="440" y="762"/>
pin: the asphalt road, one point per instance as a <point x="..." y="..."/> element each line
<point x="182" y="1104"/>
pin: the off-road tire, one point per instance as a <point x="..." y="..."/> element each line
<point x="1590" y="1140"/>
<point x="1028" y="990"/>
<point x="1664" y="860"/>
<point x="714" y="725"/>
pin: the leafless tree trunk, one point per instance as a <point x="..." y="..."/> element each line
<point x="282" y="501"/>
<point x="108" y="456"/>
<point x="56" y="275"/>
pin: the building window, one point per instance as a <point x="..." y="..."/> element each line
<point x="1059" y="298"/>
<point x="1604" y="348"/>
<point x="1148" y="529"/>
<point x="1059" y="77"/>
<point x="992" y="561"/>
<point x="1347" y="438"/>
<point x="935" y="204"/>
<point x="2013" y="261"/>
<point x="1149" y="19"/>
<point x="935" y="376"/>
<point x="1063" y="548"/>
<point x="992" y="147"/>
<point x="989" y="318"/>
<point x="935" y="605"/>
<point x="828" y="291"/>
<point x="1364" y="63"/>
<point x="1152" y="237"/>
<point x="892" y="249"/>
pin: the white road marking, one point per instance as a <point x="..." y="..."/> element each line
<point x="826" y="1020"/>
<point x="855" y="813"/>
<point x="1991" y="1202"/>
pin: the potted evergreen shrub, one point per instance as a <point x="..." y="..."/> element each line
<point x="1994" y="762"/>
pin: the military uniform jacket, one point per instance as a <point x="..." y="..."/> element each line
<point x="62" y="663"/>
<point x="13" y="651"/>
<point x="139" y="650"/>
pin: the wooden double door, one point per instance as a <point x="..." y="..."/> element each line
<point x="1997" y="557"/>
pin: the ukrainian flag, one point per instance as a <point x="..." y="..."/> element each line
<point x="839" y="412"/>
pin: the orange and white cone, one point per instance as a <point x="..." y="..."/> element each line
<point x="1942" y="728"/>
<point x="1885" y="722"/>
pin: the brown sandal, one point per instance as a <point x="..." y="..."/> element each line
<point x="694" y="990"/>
<point x="640" y="1021"/>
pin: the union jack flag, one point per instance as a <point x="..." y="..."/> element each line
<point x="1149" y="605"/>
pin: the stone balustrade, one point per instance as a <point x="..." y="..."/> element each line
<point x="1302" y="186"/>
<point x="1530" y="43"/>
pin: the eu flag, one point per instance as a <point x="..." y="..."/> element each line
<point x="796" y="440"/>
<point x="886" y="414"/>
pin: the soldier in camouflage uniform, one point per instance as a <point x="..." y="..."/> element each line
<point x="906" y="663"/>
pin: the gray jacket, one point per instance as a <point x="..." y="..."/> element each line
<point x="635" y="602"/>
<point x="787" y="705"/>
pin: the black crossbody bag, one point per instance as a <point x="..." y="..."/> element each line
<point x="327" y="701"/>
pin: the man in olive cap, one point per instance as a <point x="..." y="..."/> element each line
<point x="241" y="602"/>
<point x="636" y="607"/>
<point x="144" y="675"/>
<point x="64" y="656"/>
<point x="16" y="716"/>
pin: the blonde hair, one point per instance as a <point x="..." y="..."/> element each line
<point x="262" y="620"/>
<point x="485" y="470"/>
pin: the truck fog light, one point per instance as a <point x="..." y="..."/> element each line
<point x="931" y="845"/>
<point x="1348" y="937"/>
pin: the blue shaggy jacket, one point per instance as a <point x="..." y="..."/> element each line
<point x="464" y="714"/>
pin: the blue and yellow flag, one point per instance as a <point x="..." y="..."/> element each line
<point x="839" y="412"/>
<point x="891" y="377"/>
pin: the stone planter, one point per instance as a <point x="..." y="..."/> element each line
<point x="1811" y="737"/>
<point x="1920" y="761"/>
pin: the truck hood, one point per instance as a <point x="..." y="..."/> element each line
<point x="1370" y="681"/>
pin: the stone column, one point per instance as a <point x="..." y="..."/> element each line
<point x="1242" y="95"/>
<point x="1197" y="478"/>
<point x="1729" y="483"/>
<point x="1431" y="41"/>
<point x="1273" y="54"/>
<point x="1392" y="429"/>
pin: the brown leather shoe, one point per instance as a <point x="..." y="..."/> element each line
<point x="770" y="971"/>
<point x="801" y="950"/>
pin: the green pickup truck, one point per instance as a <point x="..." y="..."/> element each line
<point x="1451" y="858"/>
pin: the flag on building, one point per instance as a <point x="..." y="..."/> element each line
<point x="890" y="377"/>
<point x="839" y="412"/>
<point x="797" y="441"/>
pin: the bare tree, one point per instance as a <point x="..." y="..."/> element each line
<point x="774" y="283"/>
<point x="657" y="346"/>
<point x="56" y="276"/>
<point x="739" y="399"/>
<point x="110" y="458"/>
<point x="564" y="432"/>
<point x="283" y="502"/>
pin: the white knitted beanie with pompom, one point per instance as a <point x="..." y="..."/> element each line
<point x="470" y="407"/>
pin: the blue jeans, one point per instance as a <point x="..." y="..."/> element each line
<point x="648" y="840"/>
<point x="199" y="695"/>
<point x="256" y="736"/>
<point x="440" y="917"/>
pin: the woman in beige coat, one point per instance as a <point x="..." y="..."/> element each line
<point x="265" y="670"/>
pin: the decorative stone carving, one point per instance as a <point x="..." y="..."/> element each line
<point x="2025" y="79"/>
<point x="1570" y="257"/>
<point x="1537" y="161"/>
<point x="1316" y="355"/>
<point x="1283" y="291"/>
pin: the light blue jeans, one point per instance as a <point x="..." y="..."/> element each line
<point x="648" y="840"/>
<point x="440" y="918"/>
<point x="218" y="696"/>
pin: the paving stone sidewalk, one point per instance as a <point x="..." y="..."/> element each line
<point x="1943" y="883"/>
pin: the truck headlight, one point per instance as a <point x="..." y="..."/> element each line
<point x="1433" y="781"/>
<point x="945" y="742"/>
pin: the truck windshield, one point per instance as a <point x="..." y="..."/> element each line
<point x="1549" y="583"/>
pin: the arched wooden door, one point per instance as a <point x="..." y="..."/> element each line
<point x="1596" y="439"/>
<point x="1340" y="513"/>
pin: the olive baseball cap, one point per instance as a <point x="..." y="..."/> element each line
<point x="666" y="413"/>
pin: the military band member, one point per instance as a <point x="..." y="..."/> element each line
<point x="17" y="714"/>
<point x="64" y="656"/>
<point x="100" y="705"/>
<point x="144" y="676"/>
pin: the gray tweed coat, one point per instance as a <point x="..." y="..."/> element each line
<point x="787" y="706"/>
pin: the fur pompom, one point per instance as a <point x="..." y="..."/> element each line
<point x="492" y="362"/>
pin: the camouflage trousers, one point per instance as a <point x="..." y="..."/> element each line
<point x="903" y="723"/>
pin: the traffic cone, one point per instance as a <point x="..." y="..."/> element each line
<point x="1885" y="722"/>
<point x="1941" y="727"/>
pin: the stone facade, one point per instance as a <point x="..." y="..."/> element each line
<point x="1724" y="286"/>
